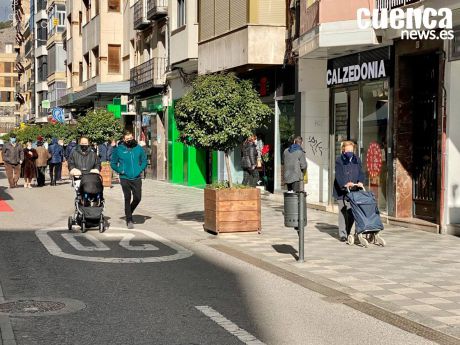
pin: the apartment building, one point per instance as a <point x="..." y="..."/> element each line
<point x="382" y="92"/>
<point x="148" y="59"/>
<point x="248" y="37"/>
<point x="94" y="44"/>
<point x="9" y="117"/>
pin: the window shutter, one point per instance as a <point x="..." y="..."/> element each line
<point x="238" y="13"/>
<point x="222" y="19"/>
<point x="207" y="19"/>
<point x="114" y="59"/>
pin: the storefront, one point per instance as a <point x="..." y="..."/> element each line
<point x="360" y="93"/>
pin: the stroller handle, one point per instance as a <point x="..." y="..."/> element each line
<point x="356" y="185"/>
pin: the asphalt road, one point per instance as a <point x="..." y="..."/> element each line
<point x="158" y="284"/>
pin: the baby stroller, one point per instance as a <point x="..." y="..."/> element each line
<point x="89" y="202"/>
<point x="367" y="216"/>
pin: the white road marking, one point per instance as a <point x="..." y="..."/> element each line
<point x="126" y="238"/>
<point x="229" y="326"/>
<point x="54" y="249"/>
<point x="72" y="239"/>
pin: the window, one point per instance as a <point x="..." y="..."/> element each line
<point x="96" y="7"/>
<point x="42" y="68"/>
<point x="114" y="5"/>
<point x="56" y="19"/>
<point x="87" y="66"/>
<point x="6" y="67"/>
<point x="114" y="58"/>
<point x="80" y="20"/>
<point x="455" y="45"/>
<point x="42" y="32"/>
<point x="180" y="13"/>
<point x="95" y="64"/>
<point x="80" y="73"/>
<point x="87" y="9"/>
<point x="69" y="75"/>
<point x="9" y="48"/>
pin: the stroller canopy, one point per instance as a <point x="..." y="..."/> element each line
<point x="91" y="184"/>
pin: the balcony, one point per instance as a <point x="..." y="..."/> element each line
<point x="140" y="15"/>
<point x="148" y="75"/>
<point x="391" y="4"/>
<point x="309" y="16"/>
<point x="157" y="9"/>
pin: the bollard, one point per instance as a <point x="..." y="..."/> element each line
<point x="301" y="225"/>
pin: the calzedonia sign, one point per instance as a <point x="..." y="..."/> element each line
<point x="370" y="65"/>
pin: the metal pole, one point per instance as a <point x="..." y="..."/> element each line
<point x="302" y="218"/>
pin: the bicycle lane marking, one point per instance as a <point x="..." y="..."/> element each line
<point x="53" y="248"/>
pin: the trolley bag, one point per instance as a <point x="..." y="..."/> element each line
<point x="365" y="211"/>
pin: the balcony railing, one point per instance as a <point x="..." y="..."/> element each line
<point x="140" y="15"/>
<point x="390" y="4"/>
<point x="309" y="16"/>
<point x="148" y="75"/>
<point x="157" y="9"/>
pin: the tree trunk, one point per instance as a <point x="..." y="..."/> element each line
<point x="229" y="171"/>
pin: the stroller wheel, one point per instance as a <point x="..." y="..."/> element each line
<point x="379" y="240"/>
<point x="70" y="223"/>
<point x="83" y="226"/>
<point x="102" y="225"/>
<point x="363" y="241"/>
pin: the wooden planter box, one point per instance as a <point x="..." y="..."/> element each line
<point x="106" y="173"/>
<point x="232" y="210"/>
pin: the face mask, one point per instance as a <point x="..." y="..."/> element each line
<point x="84" y="148"/>
<point x="131" y="143"/>
<point x="349" y="155"/>
<point x="13" y="140"/>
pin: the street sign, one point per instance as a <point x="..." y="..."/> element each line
<point x="58" y="114"/>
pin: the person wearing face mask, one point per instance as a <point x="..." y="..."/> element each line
<point x="13" y="156"/>
<point x="30" y="169"/>
<point x="42" y="161"/>
<point x="57" y="156"/>
<point x="348" y="173"/>
<point x="129" y="161"/>
<point x="83" y="159"/>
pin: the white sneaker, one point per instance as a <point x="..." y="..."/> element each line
<point x="351" y="239"/>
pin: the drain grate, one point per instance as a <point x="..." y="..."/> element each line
<point x="30" y="306"/>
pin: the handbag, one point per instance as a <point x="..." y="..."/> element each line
<point x="259" y="162"/>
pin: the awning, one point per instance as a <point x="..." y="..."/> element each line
<point x="97" y="92"/>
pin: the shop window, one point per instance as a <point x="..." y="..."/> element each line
<point x="114" y="58"/>
<point x="114" y="5"/>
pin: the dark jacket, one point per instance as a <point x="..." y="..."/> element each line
<point x="346" y="170"/>
<point x="129" y="163"/>
<point x="12" y="154"/>
<point x="84" y="161"/>
<point x="249" y="155"/>
<point x="105" y="152"/>
<point x="295" y="164"/>
<point x="56" y="151"/>
<point x="69" y="149"/>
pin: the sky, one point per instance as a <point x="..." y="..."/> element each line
<point x="5" y="9"/>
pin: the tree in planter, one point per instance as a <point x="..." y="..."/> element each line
<point x="218" y="112"/>
<point x="99" y="125"/>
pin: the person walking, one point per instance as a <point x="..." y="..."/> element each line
<point x="129" y="161"/>
<point x="28" y="165"/>
<point x="105" y="151"/>
<point x="295" y="166"/>
<point x="249" y="162"/>
<point x="83" y="159"/>
<point x="57" y="156"/>
<point x="13" y="156"/>
<point x="42" y="161"/>
<point x="69" y="149"/>
<point x="348" y="172"/>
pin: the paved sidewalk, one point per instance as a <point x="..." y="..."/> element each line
<point x="417" y="275"/>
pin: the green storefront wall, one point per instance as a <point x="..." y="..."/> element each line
<point x="186" y="164"/>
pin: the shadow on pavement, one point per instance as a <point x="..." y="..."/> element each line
<point x="197" y="216"/>
<point x="286" y="249"/>
<point x="4" y="195"/>
<point x="330" y="229"/>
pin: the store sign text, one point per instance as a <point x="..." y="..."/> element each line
<point x="351" y="74"/>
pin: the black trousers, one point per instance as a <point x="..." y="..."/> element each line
<point x="250" y="177"/>
<point x="55" y="172"/>
<point x="132" y="191"/>
<point x="41" y="176"/>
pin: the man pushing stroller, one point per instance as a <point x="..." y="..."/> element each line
<point x="83" y="159"/>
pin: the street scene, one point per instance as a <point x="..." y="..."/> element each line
<point x="229" y="172"/>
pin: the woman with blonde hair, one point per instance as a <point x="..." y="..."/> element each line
<point x="348" y="173"/>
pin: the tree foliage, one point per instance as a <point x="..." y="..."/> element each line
<point x="219" y="111"/>
<point x="27" y="133"/>
<point x="99" y="125"/>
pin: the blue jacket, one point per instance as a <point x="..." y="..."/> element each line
<point x="56" y="151"/>
<point x="69" y="149"/>
<point x="105" y="152"/>
<point x="129" y="163"/>
<point x="346" y="171"/>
